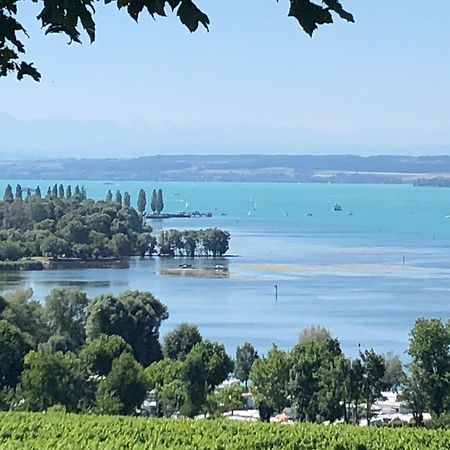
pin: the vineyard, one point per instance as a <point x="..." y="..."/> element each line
<point x="53" y="431"/>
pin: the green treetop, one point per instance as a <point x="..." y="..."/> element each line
<point x="133" y="315"/>
<point x="119" y="198"/>
<point x="142" y="201"/>
<point x="19" y="192"/>
<point x="124" y="388"/>
<point x="179" y="342"/>
<point x="126" y="200"/>
<point x="154" y="202"/>
<point x="160" y="202"/>
<point x="270" y="377"/>
<point x="98" y="354"/>
<point x="245" y="357"/>
<point x="8" y="196"/>
<point x="429" y="350"/>
<point x="14" y="345"/>
<point x="66" y="315"/>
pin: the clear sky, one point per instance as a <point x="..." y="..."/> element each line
<point x="254" y="83"/>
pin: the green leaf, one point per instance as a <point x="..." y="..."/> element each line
<point x="336" y="6"/>
<point x="191" y="16"/>
<point x="26" y="69"/>
<point x="309" y="15"/>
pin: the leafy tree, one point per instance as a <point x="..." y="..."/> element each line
<point x="14" y="345"/>
<point x="56" y="343"/>
<point x="429" y="349"/>
<point x="245" y="357"/>
<point x="125" y="384"/>
<point x="26" y="314"/>
<point x="37" y="192"/>
<point x="314" y="333"/>
<point x="414" y="395"/>
<point x="98" y="354"/>
<point x="163" y="372"/>
<point x="142" y="201"/>
<point x="8" y="196"/>
<point x="69" y="191"/>
<point x="270" y="377"/>
<point x="77" y="192"/>
<point x="356" y="384"/>
<point x="28" y="193"/>
<point x="119" y="198"/>
<point x="133" y="315"/>
<point x="194" y="378"/>
<point x="11" y="251"/>
<point x="146" y="244"/>
<point x="372" y="381"/>
<point x="49" y="192"/>
<point x="66" y="314"/>
<point x="53" y="379"/>
<point x="54" y="246"/>
<point x="19" y="193"/>
<point x="80" y="17"/>
<point x="61" y="193"/>
<point x="314" y="376"/>
<point x="109" y="196"/>
<point x="217" y="364"/>
<point x="126" y="200"/>
<point x="154" y="202"/>
<point x="171" y="397"/>
<point x="394" y="376"/>
<point x="227" y="399"/>
<point x="121" y="245"/>
<point x="55" y="190"/>
<point x="160" y="202"/>
<point x="180" y="341"/>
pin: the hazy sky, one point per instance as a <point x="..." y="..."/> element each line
<point x="254" y="83"/>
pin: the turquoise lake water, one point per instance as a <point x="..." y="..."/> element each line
<point x="367" y="273"/>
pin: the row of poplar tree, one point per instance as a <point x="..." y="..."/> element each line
<point x="59" y="191"/>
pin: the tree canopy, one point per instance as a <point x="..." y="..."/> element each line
<point x="77" y="16"/>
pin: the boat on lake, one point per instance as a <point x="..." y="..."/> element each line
<point x="337" y="207"/>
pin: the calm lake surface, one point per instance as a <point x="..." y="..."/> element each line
<point x="367" y="273"/>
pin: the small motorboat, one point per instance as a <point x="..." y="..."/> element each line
<point x="337" y="207"/>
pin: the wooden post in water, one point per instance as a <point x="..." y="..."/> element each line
<point x="276" y="291"/>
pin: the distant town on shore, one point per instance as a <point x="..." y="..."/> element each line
<point x="419" y="170"/>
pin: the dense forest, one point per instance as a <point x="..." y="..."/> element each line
<point x="104" y="355"/>
<point x="65" y="223"/>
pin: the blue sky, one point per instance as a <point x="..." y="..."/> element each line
<point x="254" y="83"/>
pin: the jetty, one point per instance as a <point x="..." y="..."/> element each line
<point x="178" y="215"/>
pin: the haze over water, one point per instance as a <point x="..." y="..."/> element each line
<point x="367" y="273"/>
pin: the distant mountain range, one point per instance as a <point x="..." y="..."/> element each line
<point x="421" y="170"/>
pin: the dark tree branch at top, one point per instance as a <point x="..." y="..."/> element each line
<point x="72" y="17"/>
